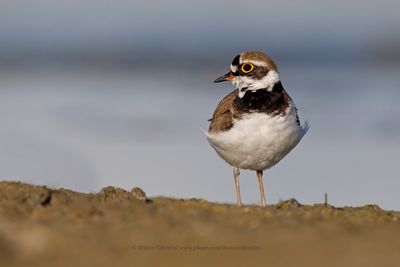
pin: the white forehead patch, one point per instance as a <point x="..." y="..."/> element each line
<point x="234" y="68"/>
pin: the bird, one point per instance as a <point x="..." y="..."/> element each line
<point x="257" y="124"/>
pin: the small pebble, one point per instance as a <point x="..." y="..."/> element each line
<point x="139" y="194"/>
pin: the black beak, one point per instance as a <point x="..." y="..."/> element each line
<point x="223" y="78"/>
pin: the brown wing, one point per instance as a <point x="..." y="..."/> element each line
<point x="224" y="114"/>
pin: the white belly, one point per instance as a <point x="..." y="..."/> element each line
<point x="258" y="141"/>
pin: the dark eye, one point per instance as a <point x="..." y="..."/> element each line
<point x="247" y="67"/>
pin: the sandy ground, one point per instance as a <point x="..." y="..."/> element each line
<point x="46" y="227"/>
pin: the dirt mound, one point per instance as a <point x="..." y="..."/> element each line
<point x="46" y="227"/>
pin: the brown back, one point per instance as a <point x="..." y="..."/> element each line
<point x="224" y="114"/>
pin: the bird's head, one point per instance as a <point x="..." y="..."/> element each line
<point x="251" y="71"/>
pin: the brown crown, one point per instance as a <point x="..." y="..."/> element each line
<point x="258" y="56"/>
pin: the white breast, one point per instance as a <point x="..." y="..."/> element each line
<point x="258" y="141"/>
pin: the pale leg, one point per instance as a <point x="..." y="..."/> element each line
<point x="236" y="173"/>
<point x="261" y="185"/>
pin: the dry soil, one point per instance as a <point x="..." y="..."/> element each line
<point x="58" y="227"/>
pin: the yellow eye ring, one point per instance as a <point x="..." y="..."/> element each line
<point x="247" y="67"/>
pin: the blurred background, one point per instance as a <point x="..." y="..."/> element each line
<point x="96" y="93"/>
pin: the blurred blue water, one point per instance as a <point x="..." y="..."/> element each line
<point x="96" y="93"/>
<point x="85" y="129"/>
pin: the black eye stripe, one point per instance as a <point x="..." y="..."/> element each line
<point x="258" y="73"/>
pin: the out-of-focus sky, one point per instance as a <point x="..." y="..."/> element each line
<point x="96" y="93"/>
<point x="181" y="30"/>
